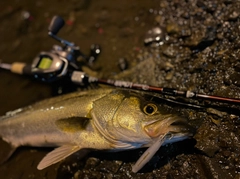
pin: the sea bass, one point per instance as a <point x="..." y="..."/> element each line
<point x="101" y="119"/>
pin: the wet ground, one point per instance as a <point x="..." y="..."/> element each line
<point x="197" y="49"/>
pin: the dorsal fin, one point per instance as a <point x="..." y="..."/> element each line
<point x="57" y="155"/>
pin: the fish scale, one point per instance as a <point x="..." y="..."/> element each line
<point x="99" y="119"/>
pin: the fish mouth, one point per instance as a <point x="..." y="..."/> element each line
<point x="172" y="126"/>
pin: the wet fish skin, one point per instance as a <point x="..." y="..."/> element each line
<point x="37" y="125"/>
<point x="102" y="119"/>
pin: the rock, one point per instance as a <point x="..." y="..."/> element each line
<point x="232" y="13"/>
<point x="185" y="31"/>
<point x="169" y="75"/>
<point x="206" y="138"/>
<point x="158" y="19"/>
<point x="92" y="163"/>
<point x="235" y="78"/>
<point x="172" y="28"/>
<point x="170" y="51"/>
<point x="216" y="112"/>
<point x="122" y="64"/>
<point x="156" y="34"/>
<point x="143" y="72"/>
<point x="237" y="67"/>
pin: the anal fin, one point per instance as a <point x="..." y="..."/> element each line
<point x="57" y="155"/>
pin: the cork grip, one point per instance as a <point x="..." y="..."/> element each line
<point x="18" y="67"/>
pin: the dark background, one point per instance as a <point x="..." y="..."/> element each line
<point x="200" y="53"/>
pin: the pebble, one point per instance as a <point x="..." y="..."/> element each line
<point x="216" y="112"/>
<point x="169" y="75"/>
<point x="92" y="162"/>
<point x="170" y="51"/>
<point x="185" y="32"/>
<point x="155" y="34"/>
<point x="226" y="153"/>
<point x="232" y="13"/>
<point x="237" y="67"/>
<point x="158" y="19"/>
<point x="172" y="28"/>
<point x="235" y="78"/>
<point x="77" y="175"/>
<point x="122" y="64"/>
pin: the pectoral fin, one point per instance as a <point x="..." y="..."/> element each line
<point x="57" y="155"/>
<point x="148" y="154"/>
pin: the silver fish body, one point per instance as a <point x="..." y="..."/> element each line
<point x="46" y="123"/>
<point x="102" y="119"/>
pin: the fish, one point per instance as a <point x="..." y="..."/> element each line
<point x="109" y="119"/>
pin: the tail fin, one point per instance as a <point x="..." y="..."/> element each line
<point x="6" y="151"/>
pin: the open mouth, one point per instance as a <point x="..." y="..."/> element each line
<point x="171" y="125"/>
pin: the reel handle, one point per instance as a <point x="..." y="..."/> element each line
<point x="56" y="24"/>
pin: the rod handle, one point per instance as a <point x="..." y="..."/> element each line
<point x="20" y="68"/>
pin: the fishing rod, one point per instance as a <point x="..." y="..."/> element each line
<point x="61" y="62"/>
<point x="81" y="78"/>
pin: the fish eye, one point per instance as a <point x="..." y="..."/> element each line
<point x="150" y="109"/>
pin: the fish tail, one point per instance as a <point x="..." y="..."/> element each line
<point x="6" y="152"/>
